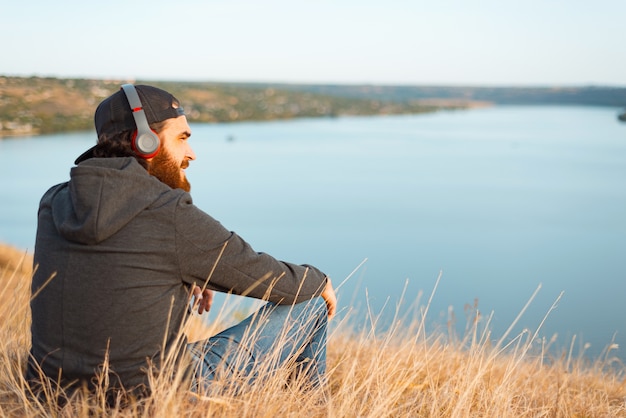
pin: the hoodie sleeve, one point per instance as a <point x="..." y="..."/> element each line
<point x="207" y="252"/>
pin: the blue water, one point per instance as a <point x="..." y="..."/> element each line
<point x="499" y="200"/>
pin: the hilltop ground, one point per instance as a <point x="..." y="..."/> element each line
<point x="396" y="373"/>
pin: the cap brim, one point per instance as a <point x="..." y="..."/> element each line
<point x="85" y="155"/>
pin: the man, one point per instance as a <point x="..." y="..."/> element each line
<point x="120" y="249"/>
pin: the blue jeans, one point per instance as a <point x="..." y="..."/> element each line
<point x="291" y="337"/>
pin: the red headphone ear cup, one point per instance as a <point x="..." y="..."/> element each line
<point x="145" y="141"/>
<point x="146" y="144"/>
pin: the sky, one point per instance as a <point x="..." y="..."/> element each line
<point x="391" y="42"/>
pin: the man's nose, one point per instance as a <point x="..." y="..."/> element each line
<point x="189" y="153"/>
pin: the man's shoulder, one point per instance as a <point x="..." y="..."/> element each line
<point x="53" y="191"/>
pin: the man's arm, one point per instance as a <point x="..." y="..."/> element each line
<point x="206" y="250"/>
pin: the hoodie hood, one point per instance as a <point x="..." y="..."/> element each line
<point x="102" y="196"/>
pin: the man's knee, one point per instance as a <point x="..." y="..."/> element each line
<point x="315" y="307"/>
<point x="317" y="310"/>
<point x="320" y="306"/>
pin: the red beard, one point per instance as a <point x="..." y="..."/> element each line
<point x="167" y="170"/>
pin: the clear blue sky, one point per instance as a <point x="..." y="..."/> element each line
<point x="451" y="42"/>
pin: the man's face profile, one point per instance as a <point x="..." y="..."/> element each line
<point x="173" y="158"/>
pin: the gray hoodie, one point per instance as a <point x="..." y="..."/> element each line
<point x="123" y="249"/>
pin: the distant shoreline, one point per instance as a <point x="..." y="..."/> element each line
<point x="35" y="106"/>
<point x="44" y="105"/>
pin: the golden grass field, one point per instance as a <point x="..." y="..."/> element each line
<point x="399" y="372"/>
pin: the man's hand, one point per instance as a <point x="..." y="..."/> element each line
<point x="331" y="299"/>
<point x="204" y="299"/>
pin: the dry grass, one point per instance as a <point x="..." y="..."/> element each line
<point x="396" y="372"/>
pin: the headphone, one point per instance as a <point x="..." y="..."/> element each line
<point x="145" y="141"/>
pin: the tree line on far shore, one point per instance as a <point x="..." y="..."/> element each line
<point x="39" y="105"/>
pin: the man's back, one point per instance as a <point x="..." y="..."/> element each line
<point x="108" y="240"/>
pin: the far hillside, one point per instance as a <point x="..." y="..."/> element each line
<point x="586" y="96"/>
<point x="34" y="105"/>
<point x="39" y="105"/>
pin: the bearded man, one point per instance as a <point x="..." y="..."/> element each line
<point x="121" y="249"/>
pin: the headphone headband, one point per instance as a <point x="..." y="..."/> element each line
<point x="145" y="143"/>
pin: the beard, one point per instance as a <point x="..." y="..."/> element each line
<point x="168" y="171"/>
